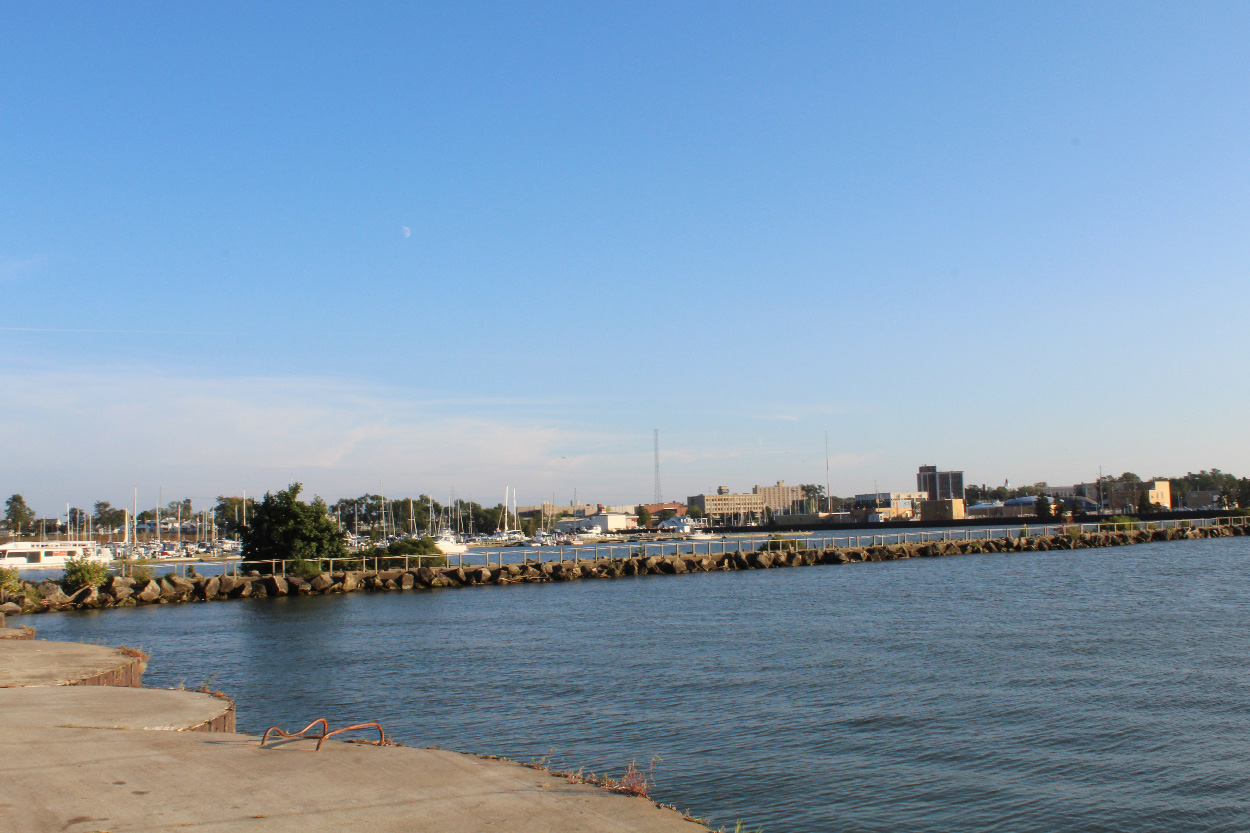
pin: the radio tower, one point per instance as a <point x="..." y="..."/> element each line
<point x="658" y="497"/>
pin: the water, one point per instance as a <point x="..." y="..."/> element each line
<point x="1090" y="690"/>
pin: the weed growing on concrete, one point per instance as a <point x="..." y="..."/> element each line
<point x="133" y="653"/>
<point x="637" y="782"/>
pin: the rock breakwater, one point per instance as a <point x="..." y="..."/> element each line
<point x="122" y="591"/>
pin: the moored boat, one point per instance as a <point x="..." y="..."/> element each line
<point x="50" y="554"/>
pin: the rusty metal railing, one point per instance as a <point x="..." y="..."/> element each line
<point x="325" y="732"/>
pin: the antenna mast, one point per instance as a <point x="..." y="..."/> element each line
<point x="658" y="497"/>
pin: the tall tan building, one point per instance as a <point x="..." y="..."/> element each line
<point x="779" y="499"/>
<point x="725" y="506"/>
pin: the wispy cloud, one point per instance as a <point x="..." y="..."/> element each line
<point x="15" y="268"/>
<point x="102" y="431"/>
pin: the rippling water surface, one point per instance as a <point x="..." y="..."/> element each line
<point x="1092" y="690"/>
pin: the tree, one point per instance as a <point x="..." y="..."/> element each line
<point x="283" y="527"/>
<point x="230" y="513"/>
<point x="694" y="511"/>
<point x="178" y="508"/>
<point x="1143" y="502"/>
<point x="665" y="514"/>
<point x="644" y="516"/>
<point x="106" y="517"/>
<point x="1043" y="507"/>
<point x="812" y="493"/>
<point x="17" y="514"/>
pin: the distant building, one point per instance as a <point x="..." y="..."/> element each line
<point x="779" y="499"/>
<point x="889" y="506"/>
<point x="725" y="507"/>
<point x="656" y="508"/>
<point x="602" y="521"/>
<point x="1203" y="499"/>
<point x="990" y="509"/>
<point x="1125" y="495"/>
<point x="940" y="485"/>
<point x="942" y="510"/>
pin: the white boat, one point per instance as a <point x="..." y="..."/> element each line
<point x="50" y="554"/>
<point x="448" y="545"/>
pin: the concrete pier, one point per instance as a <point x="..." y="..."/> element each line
<point x="99" y="758"/>
<point x="34" y="662"/>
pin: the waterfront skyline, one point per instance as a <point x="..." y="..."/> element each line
<point x="475" y="248"/>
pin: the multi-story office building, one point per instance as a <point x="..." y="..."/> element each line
<point x="779" y="499"/>
<point x="726" y="507"/>
<point x="940" y="485"/>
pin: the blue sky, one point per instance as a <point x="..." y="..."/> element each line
<point x="1006" y="238"/>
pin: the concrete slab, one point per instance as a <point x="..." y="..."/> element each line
<point x="38" y="663"/>
<point x="107" y="707"/>
<point x="91" y="780"/>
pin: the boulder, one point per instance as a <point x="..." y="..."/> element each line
<point x="52" y="594"/>
<point x="351" y="582"/>
<point x="425" y="576"/>
<point x="406" y="581"/>
<point x="119" y="581"/>
<point x="11" y="609"/>
<point x="208" y="588"/>
<point x="276" y="586"/>
<point x="85" y="597"/>
<point x="321" y="583"/>
<point x="226" y="585"/>
<point x="148" y="593"/>
<point x="297" y="586"/>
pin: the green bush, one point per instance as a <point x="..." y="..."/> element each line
<point x="394" y="554"/>
<point x="1126" y="521"/>
<point x="80" y="573"/>
<point x="141" y="571"/>
<point x="414" y="546"/>
<point x="304" y="569"/>
<point x="779" y="543"/>
<point x="10" y="582"/>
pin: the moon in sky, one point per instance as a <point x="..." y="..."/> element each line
<point x="407" y="231"/>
